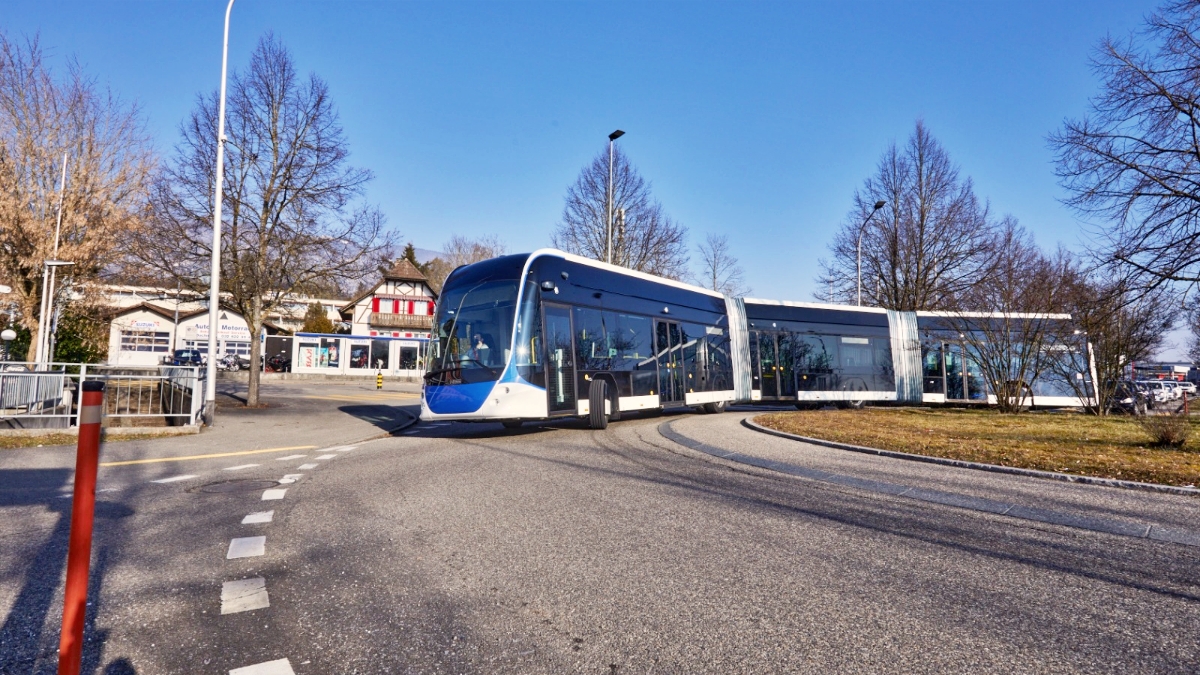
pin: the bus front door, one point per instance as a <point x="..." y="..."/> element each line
<point x="560" y="359"/>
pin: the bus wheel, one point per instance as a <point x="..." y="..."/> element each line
<point x="512" y="424"/>
<point x="597" y="397"/>
<point x="853" y="405"/>
<point x="713" y="408"/>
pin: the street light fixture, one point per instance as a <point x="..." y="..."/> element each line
<point x="214" y="289"/>
<point x="609" y="222"/>
<point x="8" y="335"/>
<point x="862" y="228"/>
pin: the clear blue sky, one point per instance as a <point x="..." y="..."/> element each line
<point x="754" y="120"/>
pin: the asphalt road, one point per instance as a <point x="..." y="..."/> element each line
<point x="458" y="548"/>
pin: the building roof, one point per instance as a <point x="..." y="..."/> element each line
<point x="404" y="270"/>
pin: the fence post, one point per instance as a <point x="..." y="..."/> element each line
<point x="79" y="403"/>
<point x="197" y="396"/>
<point x="83" y="507"/>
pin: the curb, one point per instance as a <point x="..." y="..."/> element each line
<point x="110" y="433"/>
<point x="977" y="466"/>
<point x="1083" y="521"/>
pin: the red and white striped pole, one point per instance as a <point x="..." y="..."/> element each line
<point x="83" y="508"/>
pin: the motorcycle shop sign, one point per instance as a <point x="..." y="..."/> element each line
<point x="227" y="329"/>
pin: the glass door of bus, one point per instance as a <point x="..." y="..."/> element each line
<point x="787" y="365"/>
<point x="669" y="347"/>
<point x="769" y="364"/>
<point x="955" y="391"/>
<point x="560" y="359"/>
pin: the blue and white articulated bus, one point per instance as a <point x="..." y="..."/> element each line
<point x="548" y="334"/>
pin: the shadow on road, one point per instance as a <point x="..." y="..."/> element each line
<point x="28" y="638"/>
<point x="386" y="417"/>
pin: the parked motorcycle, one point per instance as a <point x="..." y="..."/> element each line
<point x="232" y="362"/>
<point x="279" y="363"/>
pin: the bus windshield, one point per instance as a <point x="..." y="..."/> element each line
<point x="473" y="332"/>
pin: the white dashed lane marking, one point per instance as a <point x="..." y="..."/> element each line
<point x="290" y="457"/>
<point x="280" y="667"/>
<point x="246" y="547"/>
<point x="241" y="466"/>
<point x="290" y="478"/>
<point x="277" y="493"/>
<point x="348" y="448"/>
<point x="325" y="456"/>
<point x="244" y="595"/>
<point x="260" y="517"/>
<point x="173" y="479"/>
<point x="307" y="467"/>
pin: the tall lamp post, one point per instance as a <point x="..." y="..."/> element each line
<point x="43" y="344"/>
<point x="863" y="228"/>
<point x="609" y="222"/>
<point x="214" y="290"/>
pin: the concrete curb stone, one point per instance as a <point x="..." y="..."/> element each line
<point x="1137" y="530"/>
<point x="995" y="468"/>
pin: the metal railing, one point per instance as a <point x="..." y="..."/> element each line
<point x="134" y="396"/>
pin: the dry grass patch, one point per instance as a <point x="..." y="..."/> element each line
<point x="1109" y="447"/>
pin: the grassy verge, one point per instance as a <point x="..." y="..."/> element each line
<point x="13" y="442"/>
<point x="1110" y="447"/>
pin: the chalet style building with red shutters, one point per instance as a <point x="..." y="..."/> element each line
<point x="399" y="306"/>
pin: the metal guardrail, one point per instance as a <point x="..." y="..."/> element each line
<point x="50" y="397"/>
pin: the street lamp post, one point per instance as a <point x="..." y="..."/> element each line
<point x="214" y="289"/>
<point x="48" y="274"/>
<point x="862" y="228"/>
<point x="47" y="307"/>
<point x="609" y="222"/>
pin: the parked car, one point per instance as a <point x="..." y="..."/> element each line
<point x="1173" y="387"/>
<point x="1130" y="398"/>
<point x="1188" y="388"/>
<point x="187" y="357"/>
<point x="1159" y="392"/>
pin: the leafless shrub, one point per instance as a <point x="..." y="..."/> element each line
<point x="1166" y="431"/>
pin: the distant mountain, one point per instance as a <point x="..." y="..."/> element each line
<point x="424" y="255"/>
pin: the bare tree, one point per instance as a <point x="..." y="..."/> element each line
<point x="719" y="270"/>
<point x="925" y="247"/>
<point x="1115" y="325"/>
<point x="459" y="251"/>
<point x="291" y="216"/>
<point x="1012" y="321"/>
<point x="645" y="239"/>
<point x="1134" y="160"/>
<point x="109" y="161"/>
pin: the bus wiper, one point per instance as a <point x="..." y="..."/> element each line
<point x="458" y="366"/>
<point x="454" y="322"/>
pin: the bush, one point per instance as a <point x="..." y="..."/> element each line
<point x="1169" y="431"/>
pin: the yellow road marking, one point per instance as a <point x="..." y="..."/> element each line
<point x="367" y="397"/>
<point x="219" y="454"/>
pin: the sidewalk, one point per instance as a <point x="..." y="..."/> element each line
<point x="297" y="413"/>
<point x="1133" y="513"/>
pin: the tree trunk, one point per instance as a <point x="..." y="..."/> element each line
<point x="255" y="375"/>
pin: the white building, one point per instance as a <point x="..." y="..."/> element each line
<point x="399" y="306"/>
<point x="142" y="335"/>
